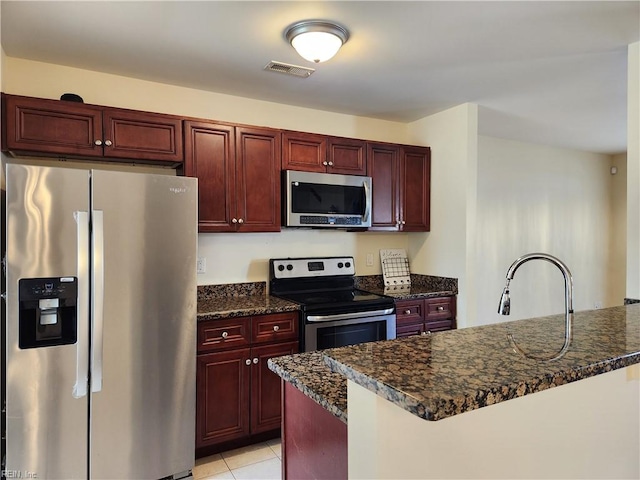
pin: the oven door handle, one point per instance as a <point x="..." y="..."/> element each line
<point x="347" y="316"/>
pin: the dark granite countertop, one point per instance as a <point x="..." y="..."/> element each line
<point x="243" y="306"/>
<point x="452" y="372"/>
<point x="415" y="292"/>
<point x="309" y="373"/>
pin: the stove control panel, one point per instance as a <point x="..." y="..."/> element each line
<point x="312" y="267"/>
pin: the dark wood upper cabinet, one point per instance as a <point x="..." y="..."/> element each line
<point x="238" y="171"/>
<point x="312" y="152"/>
<point x="304" y="151"/>
<point x="258" y="179"/>
<point x="415" y="188"/>
<point x="210" y="157"/>
<point x="142" y="136"/>
<point x="68" y="129"/>
<point x="383" y="166"/>
<point x="401" y="184"/>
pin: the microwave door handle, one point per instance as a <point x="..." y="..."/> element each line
<point x="367" y="206"/>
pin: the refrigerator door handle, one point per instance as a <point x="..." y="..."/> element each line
<point x="82" y="306"/>
<point x="97" y="300"/>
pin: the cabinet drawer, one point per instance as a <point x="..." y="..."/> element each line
<point x="223" y="334"/>
<point x="409" y="330"/>
<point x="438" y="325"/>
<point x="275" y="327"/>
<point x="409" y="312"/>
<point x="437" y="308"/>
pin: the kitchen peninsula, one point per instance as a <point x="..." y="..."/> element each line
<point x="463" y="404"/>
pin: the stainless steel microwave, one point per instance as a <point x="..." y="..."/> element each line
<point x="325" y="200"/>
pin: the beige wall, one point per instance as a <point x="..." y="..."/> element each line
<point x="445" y="250"/>
<point x="633" y="171"/>
<point x="533" y="198"/>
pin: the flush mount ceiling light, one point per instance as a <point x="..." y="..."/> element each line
<point x="316" y="40"/>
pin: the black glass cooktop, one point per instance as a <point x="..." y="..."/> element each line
<point x="338" y="301"/>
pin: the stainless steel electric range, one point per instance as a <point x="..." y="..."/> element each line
<point x="334" y="312"/>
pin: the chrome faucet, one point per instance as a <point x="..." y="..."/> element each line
<point x="504" y="307"/>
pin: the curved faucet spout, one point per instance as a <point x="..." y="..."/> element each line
<point x="505" y="301"/>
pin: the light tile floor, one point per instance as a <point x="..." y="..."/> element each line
<point x="261" y="461"/>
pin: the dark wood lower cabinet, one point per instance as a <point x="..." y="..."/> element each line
<point x="425" y="315"/>
<point x="266" y="404"/>
<point x="223" y="396"/>
<point x="238" y="398"/>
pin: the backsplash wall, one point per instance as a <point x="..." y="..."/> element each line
<point x="237" y="258"/>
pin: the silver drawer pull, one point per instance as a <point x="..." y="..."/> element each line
<point x="255" y="361"/>
<point x="247" y="361"/>
<point x="108" y="143"/>
<point x="98" y="142"/>
<point x="440" y="309"/>
<point x="407" y="312"/>
<point x="225" y="334"/>
<point x="276" y="328"/>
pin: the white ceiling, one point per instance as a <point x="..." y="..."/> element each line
<point x="544" y="72"/>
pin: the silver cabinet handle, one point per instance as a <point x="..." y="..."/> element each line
<point x="234" y="220"/>
<point x="108" y="143"/>
<point x="407" y="312"/>
<point x="240" y="221"/>
<point x="98" y="142"/>
<point x="276" y="328"/>
<point x="97" y="300"/>
<point x="403" y="222"/>
<point x="247" y="361"/>
<point x="255" y="361"/>
<point x="440" y="309"/>
<point x="82" y="307"/>
<point x="225" y="334"/>
<point x="325" y="163"/>
<point x="330" y="164"/>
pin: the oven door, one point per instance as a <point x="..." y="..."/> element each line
<point x="330" y="331"/>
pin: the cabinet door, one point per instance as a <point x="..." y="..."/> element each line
<point x="266" y="387"/>
<point x="142" y="136"/>
<point x="51" y="126"/>
<point x="415" y="174"/>
<point x="210" y="156"/>
<point x="306" y="152"/>
<point x="257" y="179"/>
<point x="383" y="166"/>
<point x="347" y="156"/>
<point x="223" y="383"/>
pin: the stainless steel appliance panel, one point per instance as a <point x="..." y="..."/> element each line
<point x="143" y="365"/>
<point x="46" y="425"/>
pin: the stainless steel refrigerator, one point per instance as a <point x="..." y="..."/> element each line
<point x="99" y="344"/>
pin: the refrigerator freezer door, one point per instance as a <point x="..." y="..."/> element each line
<point x="46" y="411"/>
<point x="143" y="416"/>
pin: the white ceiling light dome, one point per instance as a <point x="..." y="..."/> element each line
<point x="316" y="40"/>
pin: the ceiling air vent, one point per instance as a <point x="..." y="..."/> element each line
<point x="288" y="69"/>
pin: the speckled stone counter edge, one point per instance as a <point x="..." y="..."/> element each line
<point x="330" y="394"/>
<point x="209" y="292"/>
<point x="448" y="407"/>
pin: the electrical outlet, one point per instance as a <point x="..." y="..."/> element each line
<point x="369" y="259"/>
<point x="201" y="265"/>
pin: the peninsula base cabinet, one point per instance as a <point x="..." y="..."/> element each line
<point x="238" y="397"/>
<point x="425" y="315"/>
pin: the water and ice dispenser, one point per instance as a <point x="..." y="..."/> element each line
<point x="47" y="311"/>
